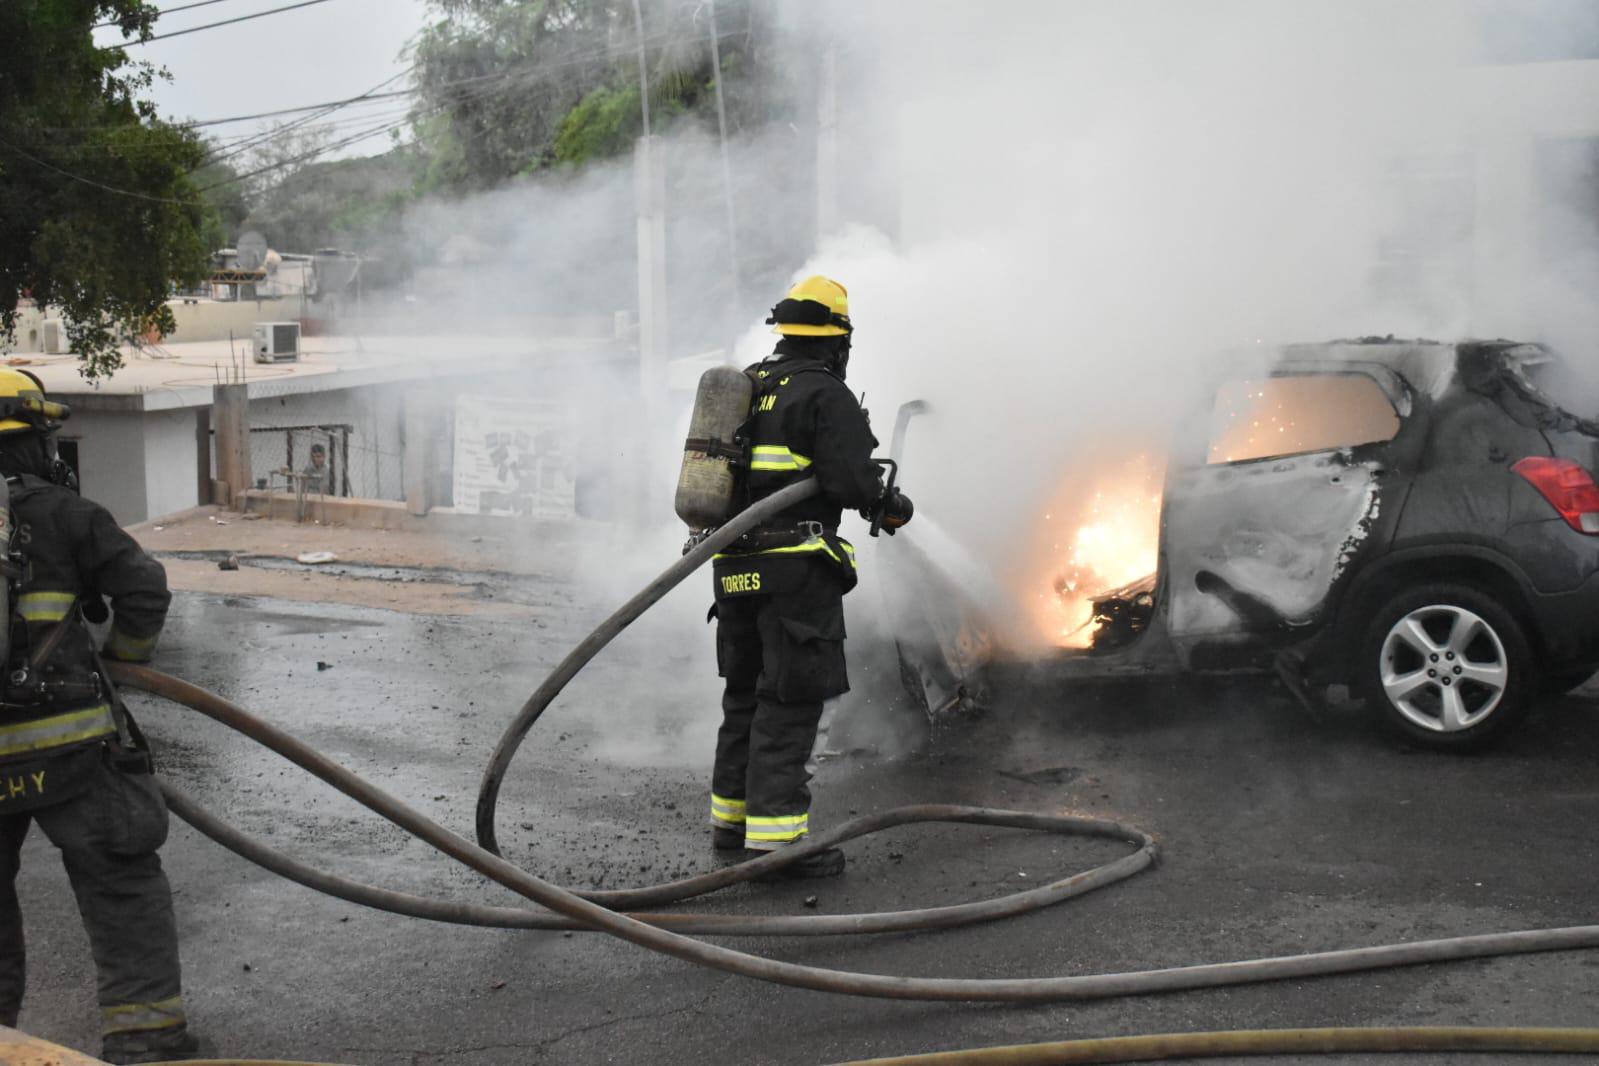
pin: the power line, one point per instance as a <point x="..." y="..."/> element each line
<point x="90" y="181"/>
<point x="225" y="22"/>
<point x="273" y="134"/>
<point x="504" y="75"/>
<point x="386" y="127"/>
<point x="375" y="131"/>
<point x="290" y="110"/>
<point x="163" y="11"/>
<point x="534" y="72"/>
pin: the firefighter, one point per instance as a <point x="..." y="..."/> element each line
<point x="68" y="760"/>
<point x="780" y="589"/>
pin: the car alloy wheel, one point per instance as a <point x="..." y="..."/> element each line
<point x="1444" y="668"/>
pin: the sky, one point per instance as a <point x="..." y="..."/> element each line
<point x="327" y="51"/>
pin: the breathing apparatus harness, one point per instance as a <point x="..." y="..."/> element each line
<point x="26" y="683"/>
<point x="740" y="452"/>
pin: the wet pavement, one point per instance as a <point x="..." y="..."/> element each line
<point x="1279" y="836"/>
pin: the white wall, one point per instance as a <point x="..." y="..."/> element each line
<point x="111" y="461"/>
<point x="170" y="462"/>
<point x="212" y="321"/>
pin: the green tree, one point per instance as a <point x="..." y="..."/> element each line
<point x="509" y="87"/>
<point x="227" y="205"/>
<point x="99" y="211"/>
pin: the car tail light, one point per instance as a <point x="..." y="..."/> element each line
<point x="1568" y="486"/>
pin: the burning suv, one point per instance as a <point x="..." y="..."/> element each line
<point x="1416" y="521"/>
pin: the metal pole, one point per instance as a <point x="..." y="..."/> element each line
<point x="643" y="68"/>
<point x="727" y="169"/>
<point x="827" y="145"/>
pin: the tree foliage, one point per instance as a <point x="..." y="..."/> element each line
<point x="99" y="211"/>
<point x="340" y="203"/>
<point x="509" y="87"/>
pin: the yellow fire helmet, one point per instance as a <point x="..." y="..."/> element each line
<point x="23" y="407"/>
<point x="816" y="307"/>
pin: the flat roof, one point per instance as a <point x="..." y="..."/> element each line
<point x="164" y="377"/>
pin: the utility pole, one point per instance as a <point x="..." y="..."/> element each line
<point x="654" y="342"/>
<point x="643" y="67"/>
<point x="827" y="145"/>
<point x="727" y="171"/>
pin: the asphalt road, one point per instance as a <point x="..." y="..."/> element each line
<point x="1279" y="835"/>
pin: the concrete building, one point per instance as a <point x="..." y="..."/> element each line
<point x="143" y="441"/>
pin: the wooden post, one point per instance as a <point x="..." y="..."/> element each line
<point x="230" y="420"/>
<point x="202" y="455"/>
<point x="417" y="459"/>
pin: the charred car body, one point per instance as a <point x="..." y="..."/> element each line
<point x="1415" y="520"/>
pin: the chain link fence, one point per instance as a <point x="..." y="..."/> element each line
<point x="283" y="457"/>
<point x="350" y="442"/>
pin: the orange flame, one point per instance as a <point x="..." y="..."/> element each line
<point x="1100" y="533"/>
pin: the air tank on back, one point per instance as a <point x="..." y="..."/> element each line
<point x="706" y="484"/>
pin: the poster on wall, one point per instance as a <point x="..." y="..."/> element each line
<point x="514" y="457"/>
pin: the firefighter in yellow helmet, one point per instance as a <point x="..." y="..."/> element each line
<point x="780" y="590"/>
<point x="69" y="760"/>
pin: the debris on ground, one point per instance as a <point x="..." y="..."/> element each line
<point x="320" y="665"/>
<point x="316" y="557"/>
<point x="1050" y="775"/>
<point x="230" y="563"/>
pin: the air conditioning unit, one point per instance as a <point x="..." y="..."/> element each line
<point x="277" y="342"/>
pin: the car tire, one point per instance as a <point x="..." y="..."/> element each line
<point x="1447" y="666"/>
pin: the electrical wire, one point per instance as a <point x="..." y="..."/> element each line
<point x="273" y="134"/>
<point x="539" y="71"/>
<point x="503" y="75"/>
<point x="90" y="181"/>
<point x="224" y="22"/>
<point x="385" y="127"/>
<point x="164" y="11"/>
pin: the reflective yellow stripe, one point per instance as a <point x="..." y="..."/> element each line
<point x="136" y="1017"/>
<point x="57" y="731"/>
<point x="817" y="544"/>
<point x="726" y="811"/>
<point x="129" y="648"/>
<point x="45" y="606"/>
<point x="776" y="829"/>
<point x="777" y="457"/>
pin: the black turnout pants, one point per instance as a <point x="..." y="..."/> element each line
<point x="781" y="651"/>
<point x="107" y="836"/>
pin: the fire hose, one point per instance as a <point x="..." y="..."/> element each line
<point x="667" y="933"/>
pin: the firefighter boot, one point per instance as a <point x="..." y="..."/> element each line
<point x="828" y="862"/>
<point x="724" y="839"/>
<point x="150" y="1045"/>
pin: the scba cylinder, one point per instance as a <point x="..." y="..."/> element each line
<point x="709" y="478"/>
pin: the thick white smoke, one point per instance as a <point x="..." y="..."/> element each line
<point x="1056" y="214"/>
<point x="1097" y="199"/>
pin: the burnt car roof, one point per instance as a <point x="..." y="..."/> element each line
<point x="1429" y="367"/>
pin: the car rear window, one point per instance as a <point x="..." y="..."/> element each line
<point x="1298" y="414"/>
